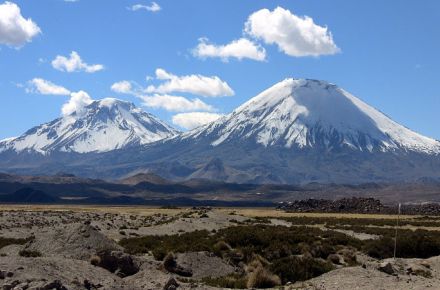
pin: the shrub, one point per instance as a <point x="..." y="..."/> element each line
<point x="379" y="249"/>
<point x="233" y="281"/>
<point x="292" y="269"/>
<point x="11" y="241"/>
<point x="159" y="253"/>
<point x="95" y="260"/>
<point x="418" y="244"/>
<point x="220" y="247"/>
<point x="262" y="278"/>
<point x="29" y="253"/>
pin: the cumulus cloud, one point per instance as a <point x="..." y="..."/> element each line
<point x="15" y="30"/>
<point x="153" y="7"/>
<point x="44" y="87"/>
<point x="175" y="103"/>
<point x="294" y="35"/>
<point x="194" y="84"/>
<point x="239" y="49"/>
<point x="194" y="119"/>
<point x="122" y="87"/>
<point x="76" y="103"/>
<point x="74" y="63"/>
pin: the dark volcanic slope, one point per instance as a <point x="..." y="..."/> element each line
<point x="151" y="189"/>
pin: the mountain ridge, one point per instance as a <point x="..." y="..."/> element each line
<point x="296" y="132"/>
<point x="102" y="126"/>
<point x="305" y="113"/>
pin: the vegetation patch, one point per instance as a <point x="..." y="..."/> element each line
<point x="266" y="254"/>
<point x="29" y="253"/>
<point x="273" y="255"/>
<point x="410" y="244"/>
<point x="11" y="241"/>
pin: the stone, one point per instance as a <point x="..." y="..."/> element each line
<point x="387" y="268"/>
<point x="171" y="284"/>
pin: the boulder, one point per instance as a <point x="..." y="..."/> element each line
<point x="117" y="262"/>
<point x="171" y="284"/>
<point x="387" y="268"/>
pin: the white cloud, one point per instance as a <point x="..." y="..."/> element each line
<point x="295" y="35"/>
<point x="44" y="87"/>
<point x="241" y="48"/>
<point x="122" y="87"/>
<point x="74" y="63"/>
<point x="194" y="119"/>
<point x="15" y="30"/>
<point x="194" y="84"/>
<point x="76" y="103"/>
<point x="175" y="103"/>
<point x="153" y="7"/>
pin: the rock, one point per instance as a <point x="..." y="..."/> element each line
<point x="387" y="268"/>
<point x="171" y="284"/>
<point x="117" y="262"/>
<point x="54" y="285"/>
<point x="204" y="264"/>
<point x="170" y="264"/>
<point x="425" y="264"/>
<point x="11" y="285"/>
<point x="5" y="274"/>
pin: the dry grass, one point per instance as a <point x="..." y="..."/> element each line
<point x="270" y="212"/>
<point x="149" y="210"/>
<point x="136" y="210"/>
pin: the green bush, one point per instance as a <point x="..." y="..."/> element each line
<point x="418" y="244"/>
<point x="233" y="281"/>
<point x="292" y="269"/>
<point x="262" y="278"/>
<point x="11" y="241"/>
<point x="29" y="253"/>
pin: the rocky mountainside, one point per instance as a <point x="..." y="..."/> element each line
<point x="102" y="126"/>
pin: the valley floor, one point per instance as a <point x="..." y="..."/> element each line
<point x="80" y="247"/>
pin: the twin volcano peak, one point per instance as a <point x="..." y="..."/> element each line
<point x="294" y="132"/>
<point x="294" y="113"/>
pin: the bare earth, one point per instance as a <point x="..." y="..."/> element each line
<point x="68" y="236"/>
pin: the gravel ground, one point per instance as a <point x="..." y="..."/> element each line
<point x="68" y="239"/>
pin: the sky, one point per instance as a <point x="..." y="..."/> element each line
<point x="189" y="62"/>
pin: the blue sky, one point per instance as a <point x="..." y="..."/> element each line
<point x="384" y="52"/>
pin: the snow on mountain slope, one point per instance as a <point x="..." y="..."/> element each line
<point x="309" y="113"/>
<point x="102" y="126"/>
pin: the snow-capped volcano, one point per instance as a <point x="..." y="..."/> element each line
<point x="302" y="114"/>
<point x="297" y="131"/>
<point x="101" y="126"/>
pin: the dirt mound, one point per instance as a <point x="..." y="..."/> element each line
<point x="76" y="241"/>
<point x="56" y="273"/>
